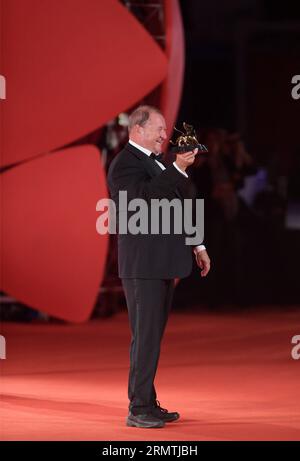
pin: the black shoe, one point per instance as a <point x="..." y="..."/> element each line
<point x="164" y="415"/>
<point x="146" y="420"/>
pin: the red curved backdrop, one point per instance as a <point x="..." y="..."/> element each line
<point x="52" y="255"/>
<point x="172" y="84"/>
<point x="70" y="67"/>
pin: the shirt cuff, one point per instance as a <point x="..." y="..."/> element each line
<point x="199" y="248"/>
<point x="180" y="171"/>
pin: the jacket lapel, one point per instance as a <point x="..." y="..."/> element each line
<point x="151" y="166"/>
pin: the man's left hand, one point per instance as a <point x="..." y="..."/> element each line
<point x="203" y="262"/>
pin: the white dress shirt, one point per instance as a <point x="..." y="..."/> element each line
<point x="148" y="152"/>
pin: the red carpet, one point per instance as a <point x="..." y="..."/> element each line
<point x="231" y="376"/>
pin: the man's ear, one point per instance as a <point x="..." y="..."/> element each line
<point x="140" y="129"/>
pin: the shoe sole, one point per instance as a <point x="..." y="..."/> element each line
<point x="170" y="420"/>
<point x="131" y="423"/>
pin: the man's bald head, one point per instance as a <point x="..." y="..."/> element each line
<point x="140" y="116"/>
<point x="147" y="127"/>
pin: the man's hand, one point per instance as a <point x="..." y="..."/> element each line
<point x="203" y="262"/>
<point x="186" y="159"/>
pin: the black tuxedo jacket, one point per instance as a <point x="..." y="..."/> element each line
<point x="151" y="256"/>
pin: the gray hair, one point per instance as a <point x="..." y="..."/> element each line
<point x="140" y="116"/>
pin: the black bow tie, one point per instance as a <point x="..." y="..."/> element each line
<point x="157" y="157"/>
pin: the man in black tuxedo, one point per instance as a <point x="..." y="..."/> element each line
<point x="149" y="263"/>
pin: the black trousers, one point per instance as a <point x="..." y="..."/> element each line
<point x="148" y="302"/>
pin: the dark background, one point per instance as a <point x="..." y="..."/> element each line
<point x="240" y="59"/>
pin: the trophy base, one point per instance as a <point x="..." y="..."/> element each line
<point x="188" y="148"/>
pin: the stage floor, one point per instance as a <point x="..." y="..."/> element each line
<point x="231" y="376"/>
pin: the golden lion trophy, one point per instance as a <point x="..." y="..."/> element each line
<point x="187" y="141"/>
